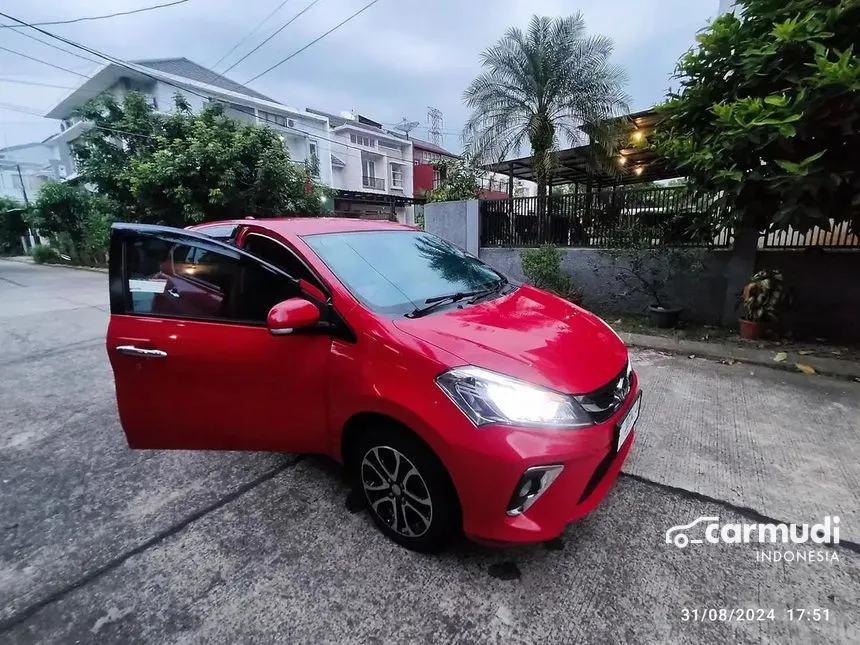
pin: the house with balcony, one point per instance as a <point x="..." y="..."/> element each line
<point x="25" y="168"/>
<point x="305" y="135"/>
<point x="371" y="168"/>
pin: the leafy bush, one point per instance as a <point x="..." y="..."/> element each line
<point x="542" y="268"/>
<point x="459" y="179"/>
<point x="12" y="226"/>
<point x="42" y="254"/>
<point x="768" y="114"/>
<point x="77" y="220"/>
<point x="764" y="296"/>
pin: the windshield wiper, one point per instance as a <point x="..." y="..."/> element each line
<point x="438" y="301"/>
<point x="500" y="284"/>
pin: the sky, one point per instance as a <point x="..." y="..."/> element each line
<point x="392" y="61"/>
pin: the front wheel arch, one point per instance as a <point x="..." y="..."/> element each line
<point x="364" y="421"/>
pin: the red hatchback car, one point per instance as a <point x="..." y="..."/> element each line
<point x="457" y="399"/>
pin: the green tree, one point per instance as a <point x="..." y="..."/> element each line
<point x="12" y="226"/>
<point x="77" y="219"/>
<point x="768" y="114"/>
<point x="459" y="179"/>
<point x="183" y="168"/>
<point x="541" y="87"/>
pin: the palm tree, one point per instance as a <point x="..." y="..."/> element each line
<point x="542" y="86"/>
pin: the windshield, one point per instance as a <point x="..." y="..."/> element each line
<point x="394" y="272"/>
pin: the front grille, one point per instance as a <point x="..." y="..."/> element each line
<point x="604" y="402"/>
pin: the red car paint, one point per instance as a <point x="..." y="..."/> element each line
<point x="244" y="388"/>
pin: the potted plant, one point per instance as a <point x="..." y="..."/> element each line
<point x="642" y="269"/>
<point x="542" y="268"/>
<point x="763" y="297"/>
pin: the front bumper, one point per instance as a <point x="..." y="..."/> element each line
<point x="591" y="465"/>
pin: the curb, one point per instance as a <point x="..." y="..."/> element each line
<point x="52" y="264"/>
<point x="763" y="357"/>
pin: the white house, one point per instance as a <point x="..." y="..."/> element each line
<point x="24" y="168"/>
<point x="305" y="134"/>
<point x="371" y="168"/>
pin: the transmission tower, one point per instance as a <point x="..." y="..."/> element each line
<point x="434" y="129"/>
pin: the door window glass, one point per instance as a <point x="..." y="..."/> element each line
<point x="201" y="283"/>
<point x="280" y="256"/>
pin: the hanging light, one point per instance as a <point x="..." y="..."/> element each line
<point x="622" y="160"/>
<point x="638" y="170"/>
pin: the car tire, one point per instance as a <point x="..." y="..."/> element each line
<point x="408" y="491"/>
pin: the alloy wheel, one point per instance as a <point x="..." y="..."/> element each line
<point x="396" y="491"/>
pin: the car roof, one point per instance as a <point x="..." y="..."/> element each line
<point x="314" y="225"/>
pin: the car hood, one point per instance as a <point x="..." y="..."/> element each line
<point x="528" y="334"/>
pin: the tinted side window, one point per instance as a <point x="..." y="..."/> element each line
<point x="224" y="233"/>
<point x="276" y="254"/>
<point x="196" y="282"/>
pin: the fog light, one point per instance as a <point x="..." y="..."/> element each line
<point x="531" y="486"/>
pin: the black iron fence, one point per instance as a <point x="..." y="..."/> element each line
<point x="653" y="216"/>
<point x="603" y="219"/>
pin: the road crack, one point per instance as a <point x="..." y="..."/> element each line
<point x="745" y="511"/>
<point x="23" y="614"/>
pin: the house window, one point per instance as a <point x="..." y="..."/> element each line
<point x="396" y="176"/>
<point x="273" y="119"/>
<point x="362" y="140"/>
<point x="368" y="168"/>
<point x="437" y="178"/>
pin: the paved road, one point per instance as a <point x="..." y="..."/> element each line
<point x="102" y="544"/>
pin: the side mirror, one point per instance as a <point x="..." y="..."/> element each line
<point x="309" y="289"/>
<point x="289" y="315"/>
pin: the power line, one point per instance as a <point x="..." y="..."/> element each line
<point x="36" y="83"/>
<point x="316" y="40"/>
<point x="21" y="31"/>
<point x="250" y="33"/>
<point x="5" y="79"/>
<point x="110" y="15"/>
<point x="126" y="65"/>
<point x="44" y="62"/>
<point x="280" y="29"/>
<point x="22" y="109"/>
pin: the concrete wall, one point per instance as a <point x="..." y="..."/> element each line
<point x="456" y="222"/>
<point x="701" y="293"/>
<point x="825" y="285"/>
<point x="824" y="282"/>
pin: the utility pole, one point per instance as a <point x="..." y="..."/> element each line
<point x="23" y="188"/>
<point x="434" y="119"/>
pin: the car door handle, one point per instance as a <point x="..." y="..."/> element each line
<point x="131" y="350"/>
<point x="173" y="292"/>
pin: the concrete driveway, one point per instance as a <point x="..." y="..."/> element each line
<point x="102" y="544"/>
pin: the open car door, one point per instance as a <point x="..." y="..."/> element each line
<point x="194" y="364"/>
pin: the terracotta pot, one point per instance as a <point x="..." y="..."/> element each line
<point x="750" y="329"/>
